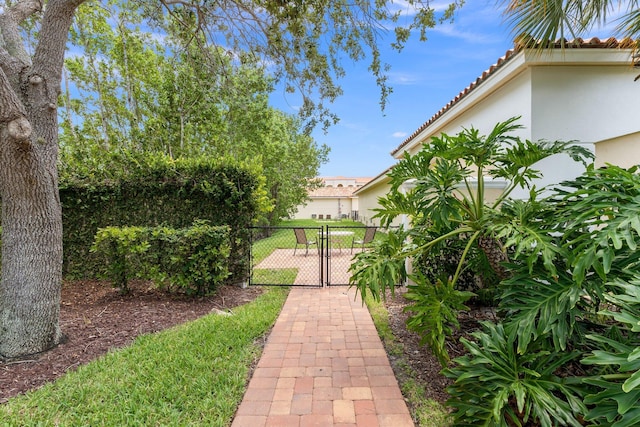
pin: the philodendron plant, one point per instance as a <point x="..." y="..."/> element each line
<point x="447" y="203"/>
<point x="583" y="301"/>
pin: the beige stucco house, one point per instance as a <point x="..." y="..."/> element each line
<point x="368" y="196"/>
<point x="584" y="93"/>
<point x="334" y="200"/>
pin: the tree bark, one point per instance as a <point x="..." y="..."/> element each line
<point x="31" y="213"/>
<point x="495" y="255"/>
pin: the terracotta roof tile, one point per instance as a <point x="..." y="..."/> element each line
<point x="332" y="192"/>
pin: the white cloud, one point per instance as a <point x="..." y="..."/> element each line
<point x="472" y="37"/>
<point x="399" y="134"/>
<point x="401" y="78"/>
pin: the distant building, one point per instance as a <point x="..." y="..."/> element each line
<point x="334" y="200"/>
<point x="368" y="196"/>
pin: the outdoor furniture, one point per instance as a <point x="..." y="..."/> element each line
<point x="369" y="234"/>
<point x="301" y="239"/>
<point x="336" y="237"/>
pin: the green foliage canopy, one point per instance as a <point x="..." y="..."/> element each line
<point x="138" y="95"/>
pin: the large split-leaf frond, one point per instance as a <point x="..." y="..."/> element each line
<point x="524" y="227"/>
<point x="381" y="269"/>
<point x="538" y="306"/>
<point x="410" y="168"/>
<point x="497" y="386"/>
<point x="599" y="218"/>
<point x="616" y="395"/>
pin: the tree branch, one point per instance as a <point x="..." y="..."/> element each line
<point x="24" y="9"/>
<point x="10" y="40"/>
<point x="49" y="55"/>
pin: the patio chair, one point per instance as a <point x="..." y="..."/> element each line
<point x="369" y="234"/>
<point x="301" y="239"/>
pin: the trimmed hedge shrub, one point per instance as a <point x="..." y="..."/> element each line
<point x="157" y="191"/>
<point x="120" y="246"/>
<point x="193" y="260"/>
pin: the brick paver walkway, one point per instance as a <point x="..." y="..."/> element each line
<point x="323" y="365"/>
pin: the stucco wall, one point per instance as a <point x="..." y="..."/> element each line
<point x="581" y="103"/>
<point x="485" y="107"/>
<point x="324" y="207"/>
<point x="584" y="103"/>
<point x="623" y="151"/>
<point x="368" y="201"/>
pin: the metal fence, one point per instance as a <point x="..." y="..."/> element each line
<point x="306" y="256"/>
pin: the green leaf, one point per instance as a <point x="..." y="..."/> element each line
<point x="632" y="382"/>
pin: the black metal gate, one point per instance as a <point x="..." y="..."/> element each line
<point x="305" y="256"/>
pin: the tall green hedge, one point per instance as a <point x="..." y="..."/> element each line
<point x="159" y="191"/>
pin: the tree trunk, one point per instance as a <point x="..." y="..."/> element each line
<point x="495" y="255"/>
<point x="31" y="225"/>
<point x="31" y="275"/>
<point x="31" y="250"/>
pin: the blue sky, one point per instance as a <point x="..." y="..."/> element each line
<point x="425" y="76"/>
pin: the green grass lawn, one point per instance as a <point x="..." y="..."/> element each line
<point x="283" y="238"/>
<point x="275" y="276"/>
<point x="194" y="374"/>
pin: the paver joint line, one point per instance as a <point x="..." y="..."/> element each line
<point x="323" y="362"/>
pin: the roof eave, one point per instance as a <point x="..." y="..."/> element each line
<point x="610" y="51"/>
<point x="381" y="178"/>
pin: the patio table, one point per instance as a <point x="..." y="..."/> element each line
<point x="337" y="237"/>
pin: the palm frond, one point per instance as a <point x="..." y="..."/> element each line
<point x="539" y="22"/>
<point x="630" y="23"/>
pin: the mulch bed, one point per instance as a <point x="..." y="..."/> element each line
<point x="424" y="365"/>
<point x="96" y="318"/>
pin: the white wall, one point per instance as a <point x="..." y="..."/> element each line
<point x="582" y="103"/>
<point x="368" y="201"/>
<point x="484" y="107"/>
<point x="324" y="207"/>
